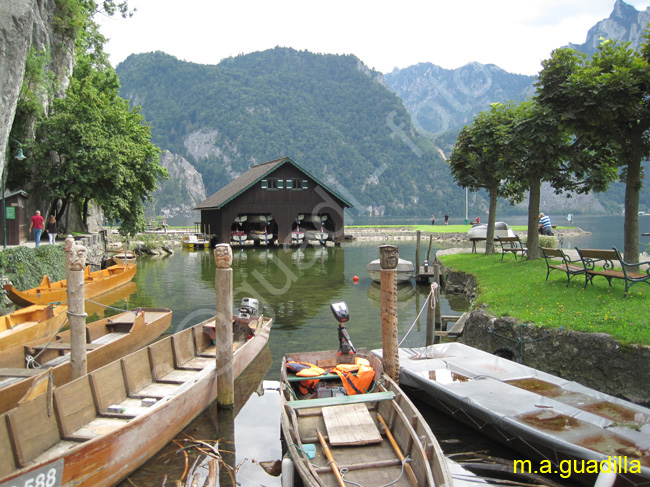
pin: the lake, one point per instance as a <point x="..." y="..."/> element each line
<point x="296" y="287"/>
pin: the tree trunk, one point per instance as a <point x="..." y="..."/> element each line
<point x="492" y="217"/>
<point x="632" y="189"/>
<point x="534" y="198"/>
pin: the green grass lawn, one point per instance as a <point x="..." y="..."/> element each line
<point x="519" y="289"/>
<point x="441" y="228"/>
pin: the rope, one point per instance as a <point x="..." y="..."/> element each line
<point x="432" y="302"/>
<point x="107" y="306"/>
<point x="30" y="361"/>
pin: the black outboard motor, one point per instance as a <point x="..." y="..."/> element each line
<point x="341" y="313"/>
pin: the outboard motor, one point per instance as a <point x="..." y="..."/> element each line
<point x="249" y="307"/>
<point x="341" y="313"/>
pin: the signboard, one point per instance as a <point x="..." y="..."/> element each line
<point x="10" y="212"/>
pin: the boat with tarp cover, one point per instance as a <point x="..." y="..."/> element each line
<point x="543" y="416"/>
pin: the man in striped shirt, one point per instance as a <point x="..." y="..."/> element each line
<point x="545" y="227"/>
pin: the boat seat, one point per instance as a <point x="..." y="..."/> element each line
<point x="185" y="351"/>
<point x="139" y="378"/>
<point x="62" y="347"/>
<point x="11" y="372"/>
<point x="75" y="408"/>
<point x="107" y="384"/>
<point x="7" y="463"/>
<point x="161" y="356"/>
<point x="340" y="400"/>
<point x="32" y="430"/>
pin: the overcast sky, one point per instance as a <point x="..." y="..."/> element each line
<point x="513" y="34"/>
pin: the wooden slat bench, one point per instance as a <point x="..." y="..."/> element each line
<point x="593" y="258"/>
<point x="339" y="400"/>
<point x="513" y="246"/>
<point x="570" y="267"/>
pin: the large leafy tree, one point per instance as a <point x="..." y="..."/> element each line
<point x="480" y="158"/>
<point x="93" y="146"/>
<point x="604" y="102"/>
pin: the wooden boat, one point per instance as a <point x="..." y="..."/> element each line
<point x="537" y="414"/>
<point x="360" y="434"/>
<point x="95" y="283"/>
<point x="405" y="270"/>
<point x="110" y="421"/>
<point x="23" y="367"/>
<point x="122" y="258"/>
<point x="195" y="242"/>
<point x="238" y="237"/>
<point x="261" y="236"/>
<point x="30" y="323"/>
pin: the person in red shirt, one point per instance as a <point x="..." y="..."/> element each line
<point x="36" y="225"/>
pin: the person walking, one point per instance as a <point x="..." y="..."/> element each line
<point x="545" y="227"/>
<point x="51" y="229"/>
<point x="446" y="219"/>
<point x="433" y="219"/>
<point x="36" y="225"/>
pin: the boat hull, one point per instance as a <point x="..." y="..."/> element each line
<point x="95" y="283"/>
<point x="405" y="270"/>
<point x="141" y="431"/>
<point x="368" y="462"/>
<point x="31" y="323"/>
<point x="522" y="408"/>
<point x="501" y="229"/>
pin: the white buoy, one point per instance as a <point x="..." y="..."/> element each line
<point x="288" y="472"/>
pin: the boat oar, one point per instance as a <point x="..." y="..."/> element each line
<point x="398" y="450"/>
<point x="330" y="459"/>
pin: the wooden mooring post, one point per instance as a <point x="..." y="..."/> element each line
<point x="388" y="258"/>
<point x="223" y="326"/>
<point x="75" y="264"/>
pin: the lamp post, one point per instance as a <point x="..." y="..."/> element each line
<point x="21" y="157"/>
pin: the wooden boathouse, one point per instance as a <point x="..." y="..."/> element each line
<point x="274" y="202"/>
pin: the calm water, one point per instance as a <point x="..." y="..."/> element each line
<point x="295" y="287"/>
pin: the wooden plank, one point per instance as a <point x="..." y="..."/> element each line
<point x="7" y="463"/>
<point x="137" y="371"/>
<point x="74" y="405"/>
<point x="350" y="424"/>
<point x="108" y="386"/>
<point x="10" y="372"/>
<point x="340" y="400"/>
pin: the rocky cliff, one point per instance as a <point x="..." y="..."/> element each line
<point x="178" y="196"/>
<point x="26" y="24"/>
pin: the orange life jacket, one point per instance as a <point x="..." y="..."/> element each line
<point x="305" y="369"/>
<point x="358" y="384"/>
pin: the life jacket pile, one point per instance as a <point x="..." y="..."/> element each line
<point x="358" y="384"/>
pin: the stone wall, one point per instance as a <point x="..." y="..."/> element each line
<point x="595" y="360"/>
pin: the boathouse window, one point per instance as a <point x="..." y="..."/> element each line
<point x="272" y="183"/>
<point x="296" y="184"/>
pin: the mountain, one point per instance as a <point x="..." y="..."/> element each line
<point x="442" y="100"/>
<point x="329" y="113"/>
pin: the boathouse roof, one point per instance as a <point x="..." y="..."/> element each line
<point x="250" y="178"/>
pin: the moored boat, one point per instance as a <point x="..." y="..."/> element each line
<point x="30" y="323"/>
<point x="374" y="437"/>
<point x="109" y="422"/>
<point x="122" y="258"/>
<point x="24" y="367"/>
<point x="95" y="283"/>
<point x="405" y="270"/>
<point x="195" y="242"/>
<point x="542" y="416"/>
<point x="501" y="229"/>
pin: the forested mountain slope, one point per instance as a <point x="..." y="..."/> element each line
<point x="329" y="113"/>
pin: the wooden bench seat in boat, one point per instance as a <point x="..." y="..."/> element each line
<point x="185" y="351"/>
<point x="340" y="400"/>
<point x="139" y="379"/>
<point x="77" y="413"/>
<point x="109" y="391"/>
<point x="64" y="347"/>
<point x="11" y="372"/>
<point x="161" y="355"/>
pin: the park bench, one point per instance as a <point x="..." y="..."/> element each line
<point x="512" y="245"/>
<point x="565" y="264"/>
<point x="593" y="260"/>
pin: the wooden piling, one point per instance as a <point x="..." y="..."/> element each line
<point x="75" y="264"/>
<point x="418" y="235"/>
<point x="389" y="257"/>
<point x="436" y="279"/>
<point x="223" y="326"/>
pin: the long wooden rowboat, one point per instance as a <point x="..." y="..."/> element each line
<point x="95" y="283"/>
<point x="107" y="423"/>
<point x="366" y="439"/>
<point x="30" y="323"/>
<point x="24" y="370"/>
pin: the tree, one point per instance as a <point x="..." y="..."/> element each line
<point x="479" y="159"/>
<point x="603" y="102"/>
<point x="93" y="146"/>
